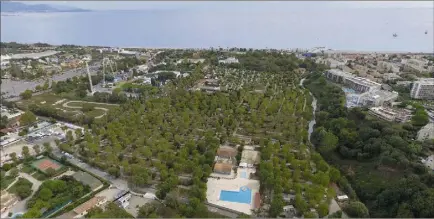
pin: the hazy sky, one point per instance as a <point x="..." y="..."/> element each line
<point x="161" y="5"/>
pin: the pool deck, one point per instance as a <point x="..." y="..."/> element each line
<point x="215" y="187"/>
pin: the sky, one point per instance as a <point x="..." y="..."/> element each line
<point x="182" y="5"/>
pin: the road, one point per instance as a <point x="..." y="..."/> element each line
<point x="118" y="183"/>
<point x="14" y="88"/>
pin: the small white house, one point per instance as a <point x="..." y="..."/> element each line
<point x="342" y="197"/>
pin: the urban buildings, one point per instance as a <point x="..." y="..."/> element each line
<point x="423" y="89"/>
<point x="426" y="132"/>
<point x="387" y="67"/>
<point x="229" y="60"/>
<point x="361" y="91"/>
<point x="377" y="98"/>
<point x="415" y="65"/>
<point x="391" y="115"/>
<point x="358" y="84"/>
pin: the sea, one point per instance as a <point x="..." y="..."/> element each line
<point x="365" y="29"/>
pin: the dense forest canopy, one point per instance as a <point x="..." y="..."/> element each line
<point x="169" y="139"/>
<point x="380" y="158"/>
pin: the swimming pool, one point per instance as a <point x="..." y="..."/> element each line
<point x="17" y="215"/>
<point x="243" y="174"/>
<point x="348" y="90"/>
<point x="242" y="196"/>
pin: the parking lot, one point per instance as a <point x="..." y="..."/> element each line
<point x="135" y="203"/>
<point x="45" y="133"/>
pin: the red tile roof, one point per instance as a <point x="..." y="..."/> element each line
<point x="257" y="200"/>
<point x="226" y="152"/>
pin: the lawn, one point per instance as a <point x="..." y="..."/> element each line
<point x="48" y="100"/>
<point x="6" y="181"/>
<point x="53" y="194"/>
<point x="39" y="176"/>
<point x="27" y="169"/>
<point x="22" y="188"/>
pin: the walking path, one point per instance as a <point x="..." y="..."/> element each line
<point x="21" y="205"/>
<point x="65" y="105"/>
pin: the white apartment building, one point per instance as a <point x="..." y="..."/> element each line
<point x="358" y="84"/>
<point x="423" y="89"/>
<point x="377" y="98"/>
<point x="229" y="60"/>
<point x="391" y="115"/>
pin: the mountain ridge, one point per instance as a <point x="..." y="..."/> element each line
<point x="9" y="6"/>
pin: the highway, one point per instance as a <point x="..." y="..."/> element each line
<point x="14" y="88"/>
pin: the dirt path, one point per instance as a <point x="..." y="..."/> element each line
<point x="65" y="105"/>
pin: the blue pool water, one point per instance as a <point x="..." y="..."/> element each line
<point x="242" y="196"/>
<point x="348" y="90"/>
<point x="17" y="215"/>
<point x="243" y="175"/>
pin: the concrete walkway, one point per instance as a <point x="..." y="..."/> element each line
<point x="21" y="205"/>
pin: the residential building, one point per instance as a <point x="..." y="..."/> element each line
<point x="288" y="211"/>
<point x="404" y="83"/>
<point x="387" y="67"/>
<point x="391" y="115"/>
<point x="143" y="68"/>
<point x="362" y="85"/>
<point x="147" y="80"/>
<point x="124" y="201"/>
<point x="226" y="152"/>
<point x="212" y="82"/>
<point x="34" y="55"/>
<point x="415" y="65"/>
<point x="195" y="61"/>
<point x="342" y="197"/>
<point x="288" y="197"/>
<point x="377" y="98"/>
<point x="423" y="89"/>
<point x="426" y="132"/>
<point x="337" y="76"/>
<point x="126" y="52"/>
<point x="391" y="76"/>
<point x="229" y="60"/>
<point x="84" y="208"/>
<point x="359" y="84"/>
<point x="223" y="168"/>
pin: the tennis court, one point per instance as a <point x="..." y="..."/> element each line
<point x="46" y="163"/>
